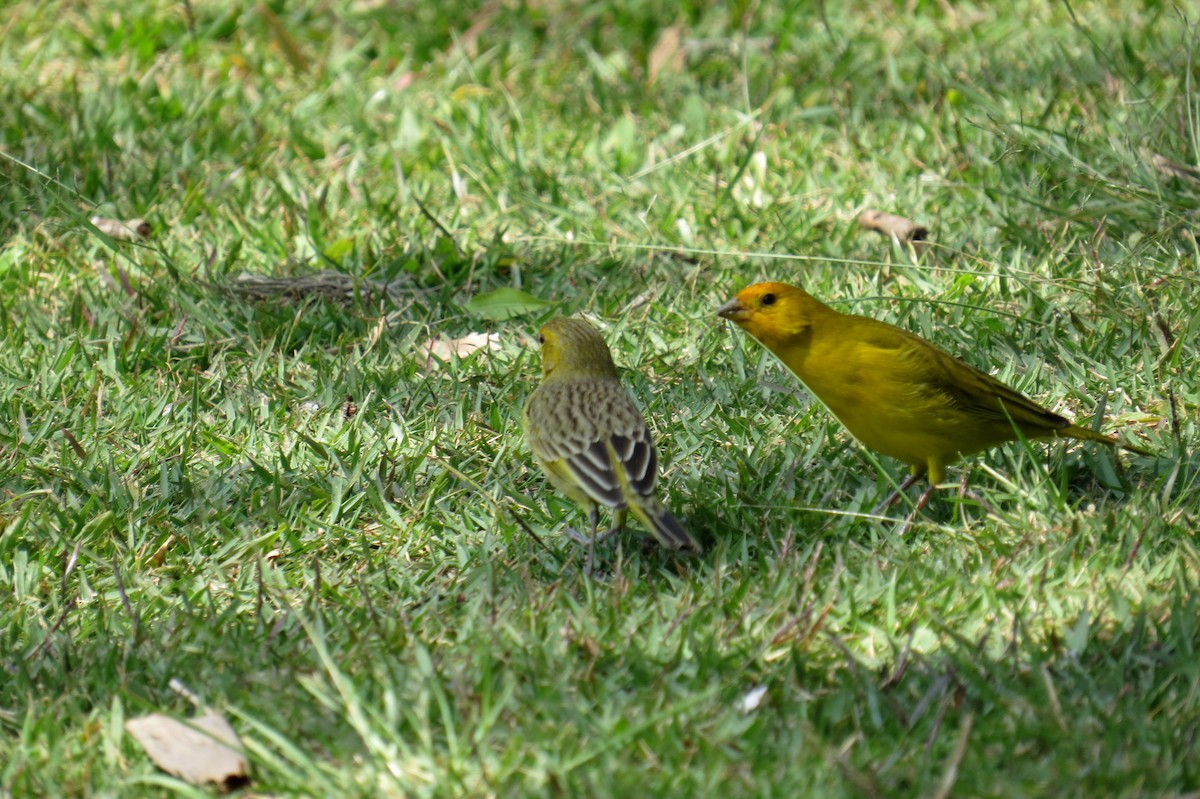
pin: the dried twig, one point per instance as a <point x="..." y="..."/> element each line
<point x="956" y="757"/>
<point x="328" y="285"/>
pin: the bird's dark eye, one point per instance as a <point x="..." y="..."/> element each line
<point x="541" y="339"/>
<point x="768" y="299"/>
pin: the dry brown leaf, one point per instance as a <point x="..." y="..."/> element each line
<point x="201" y="750"/>
<point x="667" y="55"/>
<point x="283" y="37"/>
<point x="479" y="25"/>
<point x="901" y="229"/>
<point x="1171" y="169"/>
<point x="443" y="349"/>
<point x="160" y="555"/>
<point x="129" y="230"/>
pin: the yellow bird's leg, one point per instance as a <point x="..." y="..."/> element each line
<point x="589" y="540"/>
<point x="593" y="511"/>
<point x="916" y="475"/>
<point x="591" y="555"/>
<point x="618" y="526"/>
<point x="595" y="537"/>
<point x="936" y="469"/>
<point x="966" y="493"/>
<point x="920" y="506"/>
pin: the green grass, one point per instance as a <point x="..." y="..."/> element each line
<point x="184" y="495"/>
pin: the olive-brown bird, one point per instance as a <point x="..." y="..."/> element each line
<point x="590" y="439"/>
<point x="893" y="390"/>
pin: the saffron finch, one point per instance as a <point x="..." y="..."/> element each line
<point x="893" y="390"/>
<point x="590" y="439"/>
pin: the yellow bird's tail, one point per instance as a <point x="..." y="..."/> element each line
<point x="1087" y="434"/>
<point x="665" y="527"/>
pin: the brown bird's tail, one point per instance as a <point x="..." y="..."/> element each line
<point x="1087" y="434"/>
<point x="665" y="527"/>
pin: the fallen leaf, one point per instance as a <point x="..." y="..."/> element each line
<point x="752" y="699"/>
<point x="283" y="37"/>
<point x="901" y="229"/>
<point x="667" y="54"/>
<point x="504" y="303"/>
<point x="160" y="555"/>
<point x="479" y="25"/>
<point x="76" y="447"/>
<point x="129" y="230"/>
<point x="200" y="750"/>
<point x="445" y="349"/>
<point x="1172" y="169"/>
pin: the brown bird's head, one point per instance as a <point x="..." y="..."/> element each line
<point x="773" y="312"/>
<point x="572" y="347"/>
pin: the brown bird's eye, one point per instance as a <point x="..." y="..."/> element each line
<point x="768" y="299"/>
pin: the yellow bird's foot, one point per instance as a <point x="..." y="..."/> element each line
<point x="895" y="495"/>
<point x="916" y="511"/>
<point x="966" y="493"/>
<point x="888" y="502"/>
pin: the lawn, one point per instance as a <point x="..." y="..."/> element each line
<point x="229" y="461"/>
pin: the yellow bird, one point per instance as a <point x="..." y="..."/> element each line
<point x="893" y="390"/>
<point x="590" y="439"/>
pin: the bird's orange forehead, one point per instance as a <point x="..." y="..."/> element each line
<point x="758" y="290"/>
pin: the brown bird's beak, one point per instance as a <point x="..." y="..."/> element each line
<point x="733" y="310"/>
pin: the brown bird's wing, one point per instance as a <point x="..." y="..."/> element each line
<point x="638" y="459"/>
<point x="593" y="469"/>
<point x="593" y="430"/>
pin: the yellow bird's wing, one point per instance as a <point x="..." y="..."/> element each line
<point x="982" y="396"/>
